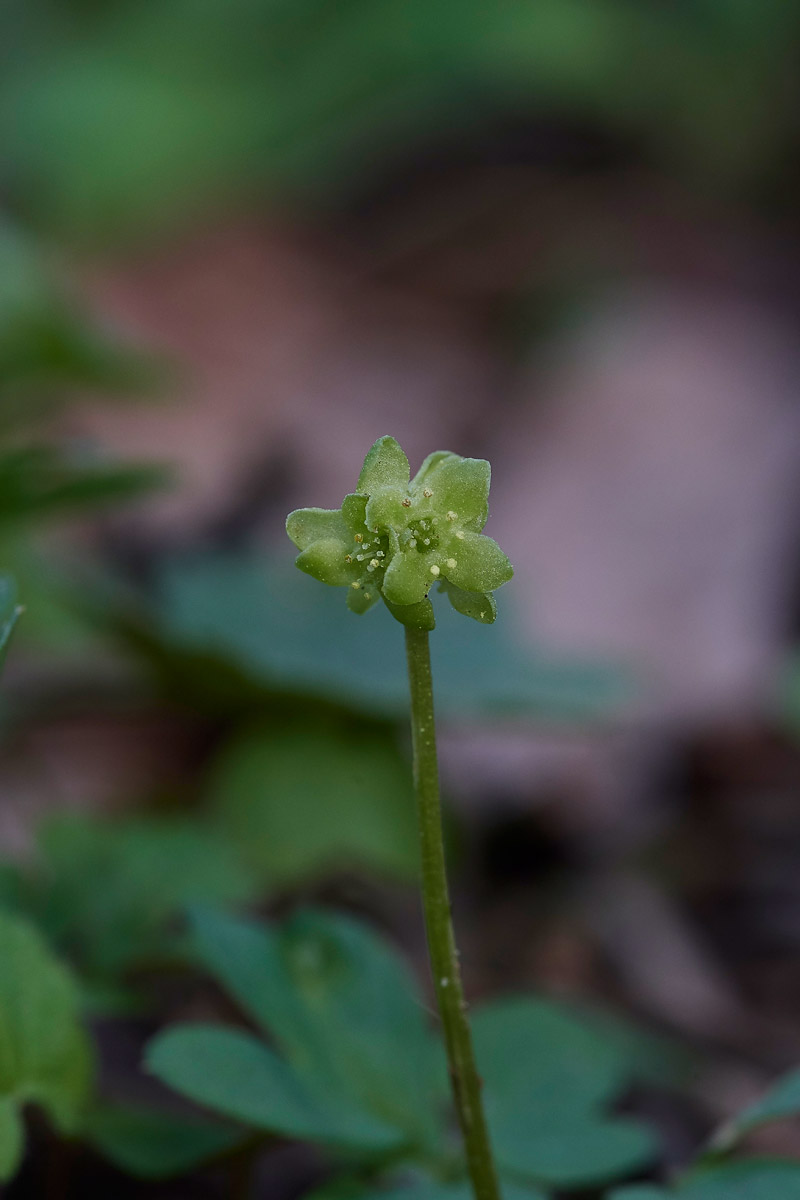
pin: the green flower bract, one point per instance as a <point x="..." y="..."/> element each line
<point x="395" y="537"/>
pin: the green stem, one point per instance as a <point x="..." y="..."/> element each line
<point x="439" y="926"/>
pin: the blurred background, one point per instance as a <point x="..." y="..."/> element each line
<point x="241" y="240"/>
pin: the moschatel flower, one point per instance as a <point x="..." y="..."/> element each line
<point x="395" y="537"/>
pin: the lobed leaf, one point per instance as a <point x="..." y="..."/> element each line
<point x="45" y="1057"/>
<point x="236" y="1075"/>
<point x="341" y="1006"/>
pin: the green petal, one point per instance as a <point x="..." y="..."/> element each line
<point x="481" y="606"/>
<point x="385" y="466"/>
<point x="408" y="577"/>
<point x="414" y="616"/>
<point x="354" y="512"/>
<point x="461" y="485"/>
<point x="432" y="461"/>
<point x="360" y="600"/>
<point x="325" y="561"/>
<point x="385" y="509"/>
<point x="480" y="564"/>
<point x="307" y="525"/>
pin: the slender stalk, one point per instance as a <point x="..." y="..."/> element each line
<point x="439" y="926"/>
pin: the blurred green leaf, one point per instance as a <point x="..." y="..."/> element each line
<point x="788" y="692"/>
<point x="301" y="802"/>
<point x="268" y="623"/>
<point x="549" y="1079"/>
<point x="157" y="1145"/>
<point x="9" y="615"/>
<point x="104" y="892"/>
<point x="38" y="481"/>
<point x="342" y="1007"/>
<point x="126" y="116"/>
<point x="638" y="1191"/>
<point x="47" y="346"/>
<point x="420" y="1186"/>
<point x="236" y="1075"/>
<point x="753" y="1180"/>
<point x="779" y="1103"/>
<point x="44" y="1052"/>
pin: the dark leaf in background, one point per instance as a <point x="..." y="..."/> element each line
<point x="422" y="1187"/>
<point x="755" y="1180"/>
<point x="48" y="349"/>
<point x="275" y="628"/>
<point x="10" y="613"/>
<point x="301" y="802"/>
<point x="45" y="1058"/>
<point x="157" y="1145"/>
<point x="104" y="892"/>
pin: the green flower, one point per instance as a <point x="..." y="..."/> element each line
<point x="395" y="537"/>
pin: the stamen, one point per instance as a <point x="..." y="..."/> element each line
<point x="435" y="570"/>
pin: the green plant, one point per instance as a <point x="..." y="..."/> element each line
<point x="49" y="350"/>
<point x="345" y="1057"/>
<point x="45" y="1055"/>
<point x="357" y="1067"/>
<point x="106" y="894"/>
<point x="393" y="539"/>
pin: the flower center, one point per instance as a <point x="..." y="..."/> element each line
<point x="423" y="535"/>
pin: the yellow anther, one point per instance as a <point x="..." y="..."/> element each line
<point x="348" y="558"/>
<point x="451" y="516"/>
<point x="434" y="570"/>
<point x="451" y="562"/>
<point x="406" y="503"/>
<point x="374" y="563"/>
<point x="460" y="535"/>
<point x="355" y="584"/>
<point x="427" y="493"/>
<point x="359" y="537"/>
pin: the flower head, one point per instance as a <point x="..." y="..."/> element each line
<point x="395" y="537"/>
